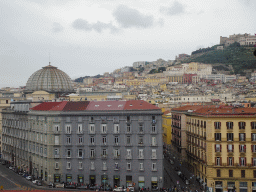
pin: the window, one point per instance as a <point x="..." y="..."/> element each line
<point x="218" y="173"/>
<point x="217" y="136"/>
<point x="141" y="128"/>
<point x="217" y="148"/>
<point x="229" y="125"/>
<point x="56" y="140"/>
<point x="253" y="136"/>
<point x="140" y="140"/>
<point x="68" y="129"/>
<point x="92" y="128"/>
<point x="129" y="153"/>
<point x="104" y="152"/>
<point x="80" y="128"/>
<point x="254" y="161"/>
<point x="242" y="148"/>
<point x="129" y="166"/>
<point x="153" y="153"/>
<point x="242" y="173"/>
<point x="254" y="173"/>
<point x="92" y="165"/>
<point x="104" y="167"/>
<point x="104" y="140"/>
<point x="230" y="161"/>
<point x="241" y="136"/>
<point x="217" y="125"/>
<point x="128" y="140"/>
<point x="241" y="125"/>
<point x="68" y="140"/>
<point x="116" y="128"/>
<point x="92" y="140"/>
<point x="154" y="141"/>
<point x="68" y="165"/>
<point x="230" y="148"/>
<point x="104" y="128"/>
<point x="128" y="128"/>
<point x="141" y="155"/>
<point x="68" y="153"/>
<point x="56" y="165"/>
<point x="56" y="128"/>
<point x="116" y="166"/>
<point x="80" y="140"/>
<point x="141" y="166"/>
<point x="242" y="161"/>
<point x="230" y="173"/>
<point x="253" y="125"/>
<point x="253" y="148"/>
<point x="218" y="160"/>
<point x="92" y="153"/>
<point x="80" y="153"/>
<point x="229" y="136"/>
<point x="154" y="167"/>
<point x="116" y="152"/>
<point x="80" y="165"/>
<point x="116" y="140"/>
<point x="153" y="129"/>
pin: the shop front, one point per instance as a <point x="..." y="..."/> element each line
<point x="68" y="178"/>
<point x="104" y="180"/>
<point x="141" y="182"/>
<point x="154" y="183"/>
<point x="45" y="176"/>
<point x="80" y="178"/>
<point x="92" y="180"/>
<point x="116" y="179"/>
<point x="253" y="186"/>
<point x="231" y="186"/>
<point x="243" y="186"/>
<point x="128" y="181"/>
<point x="218" y="186"/>
<point x="56" y="178"/>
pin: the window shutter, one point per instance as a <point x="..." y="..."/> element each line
<point x="252" y="148"/>
<point x="245" y="161"/>
<point x="220" y="124"/>
<point x="232" y="148"/>
<point x="239" y="148"/>
<point x="220" y="148"/>
<point x="215" y="160"/>
<point x="239" y="125"/>
<point x="245" y="137"/>
<point x="215" y="147"/>
<point x="227" y="161"/>
<point x="227" y="148"/>
<point x="220" y="160"/>
<point x="239" y="160"/>
<point x="227" y="124"/>
<point x="215" y="125"/>
<point x="244" y="148"/>
<point x="232" y="160"/>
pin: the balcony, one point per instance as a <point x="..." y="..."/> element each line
<point x="141" y="144"/>
<point x="154" y="169"/>
<point x="79" y="132"/>
<point x="104" y="144"/>
<point x="128" y="157"/>
<point x="153" y="121"/>
<point x="104" y="157"/>
<point x="116" y="132"/>
<point x="153" y="132"/>
<point x="116" y="156"/>
<point x="92" y="157"/>
<point x="116" y="169"/>
<point x="141" y="157"/>
<point x="103" y="132"/>
<point x="153" y="157"/>
<point x="92" y="168"/>
<point x="91" y="144"/>
<point x="128" y="133"/>
<point x="80" y="144"/>
<point x="128" y="145"/>
<point x="91" y="133"/>
<point x="116" y="145"/>
<point x="141" y="169"/>
<point x="141" y="132"/>
<point x="153" y="145"/>
<point x="104" y="168"/>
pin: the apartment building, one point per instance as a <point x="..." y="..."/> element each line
<point x="93" y="142"/>
<point x="221" y="147"/>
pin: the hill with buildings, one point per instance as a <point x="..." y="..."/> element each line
<point x="241" y="58"/>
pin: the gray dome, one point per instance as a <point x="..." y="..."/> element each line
<point x="49" y="79"/>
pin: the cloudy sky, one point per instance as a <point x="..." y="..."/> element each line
<point x="90" y="37"/>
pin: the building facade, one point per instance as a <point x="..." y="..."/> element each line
<point x="116" y="143"/>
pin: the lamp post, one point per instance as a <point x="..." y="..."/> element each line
<point x="104" y="181"/>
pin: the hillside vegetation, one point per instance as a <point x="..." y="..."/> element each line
<point x="241" y="58"/>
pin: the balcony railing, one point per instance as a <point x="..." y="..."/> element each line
<point x="128" y="157"/>
<point x="116" y="156"/>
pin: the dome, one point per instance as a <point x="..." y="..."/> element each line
<point x="49" y="79"/>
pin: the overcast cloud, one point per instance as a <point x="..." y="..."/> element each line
<point x="94" y="36"/>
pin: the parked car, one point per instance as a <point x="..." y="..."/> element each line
<point x="34" y="181"/>
<point x="60" y="185"/>
<point x="118" y="189"/>
<point x="39" y="183"/>
<point x="131" y="189"/>
<point x="51" y="185"/>
<point x="70" y="185"/>
<point x="82" y="187"/>
<point x="29" y="178"/>
<point x="10" y="167"/>
<point x="187" y="182"/>
<point x="179" y="173"/>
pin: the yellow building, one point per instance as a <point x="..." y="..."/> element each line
<point x="40" y="95"/>
<point x="221" y="147"/>
<point x="167" y="127"/>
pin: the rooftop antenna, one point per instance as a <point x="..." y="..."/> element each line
<point x="49" y="58"/>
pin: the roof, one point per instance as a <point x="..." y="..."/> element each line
<point x="95" y="106"/>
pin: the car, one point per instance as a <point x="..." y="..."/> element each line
<point x="82" y="187"/>
<point x="70" y="186"/>
<point x="60" y="185"/>
<point x="131" y="189"/>
<point x="51" y="185"/>
<point x="118" y="189"/>
<point x="187" y="182"/>
<point x="34" y="181"/>
<point x="20" y="173"/>
<point x="39" y="183"/>
<point x="29" y="178"/>
<point x="10" y="167"/>
<point x="179" y="172"/>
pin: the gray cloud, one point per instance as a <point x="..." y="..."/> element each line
<point x="57" y="27"/>
<point x="82" y="24"/>
<point x="176" y="9"/>
<point x="127" y="18"/>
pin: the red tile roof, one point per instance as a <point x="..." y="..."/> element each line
<point x="46" y="106"/>
<point x="106" y="105"/>
<point x="76" y="106"/>
<point x="139" y="105"/>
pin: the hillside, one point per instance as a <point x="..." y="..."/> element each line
<point x="241" y="58"/>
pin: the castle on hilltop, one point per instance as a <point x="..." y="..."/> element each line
<point x="242" y="39"/>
